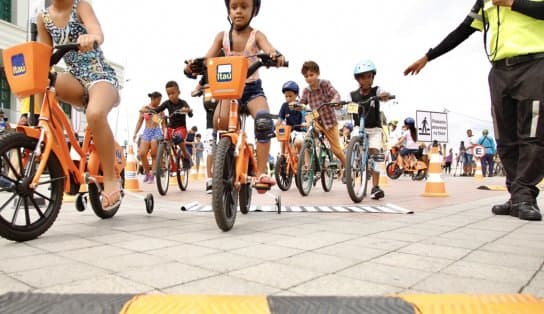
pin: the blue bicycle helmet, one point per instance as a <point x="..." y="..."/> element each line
<point x="349" y="125"/>
<point x="256" y="6"/>
<point x="363" y="67"/>
<point x="409" y="121"/>
<point x="291" y="86"/>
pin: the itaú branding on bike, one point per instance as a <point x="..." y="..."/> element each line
<point x="18" y="64"/>
<point x="224" y="73"/>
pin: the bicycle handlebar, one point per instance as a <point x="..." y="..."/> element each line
<point x="344" y="102"/>
<point x="61" y="50"/>
<point x="198" y="65"/>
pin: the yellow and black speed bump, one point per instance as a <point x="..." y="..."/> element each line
<point x="15" y="303"/>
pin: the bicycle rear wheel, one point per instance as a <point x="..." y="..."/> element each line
<point x="162" y="168"/>
<point x="283" y="173"/>
<point x="327" y="172"/>
<point x="305" y="169"/>
<point x="225" y="195"/>
<point x="356" y="171"/>
<point x="393" y="171"/>
<point x="27" y="213"/>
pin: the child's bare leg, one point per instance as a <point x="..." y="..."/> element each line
<point x="144" y="149"/>
<point x="102" y="97"/>
<point x="256" y="106"/>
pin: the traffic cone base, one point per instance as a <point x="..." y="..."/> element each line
<point x="435" y="186"/>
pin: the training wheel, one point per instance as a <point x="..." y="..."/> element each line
<point x="149" y="203"/>
<point x="278" y="203"/>
<point x="81" y="202"/>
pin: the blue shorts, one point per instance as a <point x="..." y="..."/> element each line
<point x="151" y="134"/>
<point x="252" y="90"/>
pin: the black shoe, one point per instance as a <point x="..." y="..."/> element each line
<point x="376" y="193"/>
<point x="528" y="211"/>
<point x="502" y="209"/>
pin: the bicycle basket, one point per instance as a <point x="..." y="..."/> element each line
<point x="283" y="132"/>
<point x="27" y="67"/>
<point x="227" y="76"/>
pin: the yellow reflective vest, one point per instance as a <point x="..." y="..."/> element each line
<point x="510" y="33"/>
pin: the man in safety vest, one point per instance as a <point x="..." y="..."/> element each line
<point x="514" y="42"/>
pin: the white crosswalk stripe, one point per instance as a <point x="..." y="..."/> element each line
<point x="353" y="208"/>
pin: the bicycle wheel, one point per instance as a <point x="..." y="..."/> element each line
<point x="182" y="173"/>
<point x="327" y="172"/>
<point x="246" y="192"/>
<point x="393" y="171"/>
<point x="162" y="168"/>
<point x="225" y="195"/>
<point x="283" y="173"/>
<point x="356" y="171"/>
<point x="305" y="169"/>
<point x="27" y="213"/>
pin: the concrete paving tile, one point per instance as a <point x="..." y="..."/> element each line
<point x="352" y="251"/>
<point x="110" y="237"/>
<point x="32" y="262"/>
<point x="276" y="275"/>
<point x="384" y="274"/>
<point x="512" y="249"/>
<point x="378" y="243"/>
<point x="467" y="243"/>
<point x="344" y="286"/>
<point x="513" y="261"/>
<point x="222" y="262"/>
<point x="411" y="261"/>
<point x="492" y="224"/>
<point x="8" y="284"/>
<point x="446" y="252"/>
<point x="514" y="276"/>
<point x="473" y="233"/>
<point x="224" y="243"/>
<point x="314" y="241"/>
<point x="400" y="236"/>
<point x="182" y="252"/>
<point x="262" y="238"/>
<point x="122" y="262"/>
<point x="147" y="245"/>
<point x="449" y="284"/>
<point x="94" y="253"/>
<point x="108" y="283"/>
<point x="52" y="275"/>
<point x="535" y="291"/>
<point x="319" y="262"/>
<point x="267" y="251"/>
<point x="165" y="275"/>
<point x="58" y="244"/>
<point x="192" y="236"/>
<point x="14" y="250"/>
<point x="222" y="285"/>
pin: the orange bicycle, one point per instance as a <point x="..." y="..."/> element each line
<point x="36" y="166"/>
<point x="234" y="160"/>
<point x="287" y="163"/>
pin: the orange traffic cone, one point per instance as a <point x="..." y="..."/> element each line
<point x="131" y="171"/>
<point x="478" y="173"/>
<point x="435" y="185"/>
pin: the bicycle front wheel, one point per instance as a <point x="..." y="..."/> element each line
<point x="283" y="173"/>
<point x="162" y="168"/>
<point x="327" y="171"/>
<point x="305" y="169"/>
<point x="356" y="171"/>
<point x="26" y="213"/>
<point x="182" y="174"/>
<point x="225" y="195"/>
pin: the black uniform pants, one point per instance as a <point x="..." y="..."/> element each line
<point x="517" y="96"/>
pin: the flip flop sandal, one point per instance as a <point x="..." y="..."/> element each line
<point x="108" y="199"/>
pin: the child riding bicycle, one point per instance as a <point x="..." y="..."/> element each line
<point x="364" y="73"/>
<point x="319" y="92"/>
<point x="242" y="39"/>
<point x="177" y="123"/>
<point x="292" y="117"/>
<point x="90" y="81"/>
<point x="408" y="144"/>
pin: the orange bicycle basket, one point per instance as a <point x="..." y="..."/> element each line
<point x="27" y="67"/>
<point x="227" y="76"/>
<point x="283" y="133"/>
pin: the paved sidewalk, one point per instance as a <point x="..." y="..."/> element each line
<point x="449" y="245"/>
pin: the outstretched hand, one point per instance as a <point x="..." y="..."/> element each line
<point x="417" y="66"/>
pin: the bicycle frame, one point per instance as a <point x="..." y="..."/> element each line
<point x="292" y="158"/>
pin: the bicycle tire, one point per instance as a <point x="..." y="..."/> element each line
<point x="356" y="170"/>
<point x="182" y="173"/>
<point x="162" y="168"/>
<point x="305" y="169"/>
<point x="246" y="192"/>
<point x="51" y="191"/>
<point x="327" y="173"/>
<point x="224" y="195"/>
<point x="283" y="173"/>
<point x="391" y="170"/>
<point x="96" y="202"/>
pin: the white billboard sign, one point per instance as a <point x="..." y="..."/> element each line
<point x="432" y="126"/>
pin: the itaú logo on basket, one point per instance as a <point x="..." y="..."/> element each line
<point x="18" y="66"/>
<point x="224" y="73"/>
